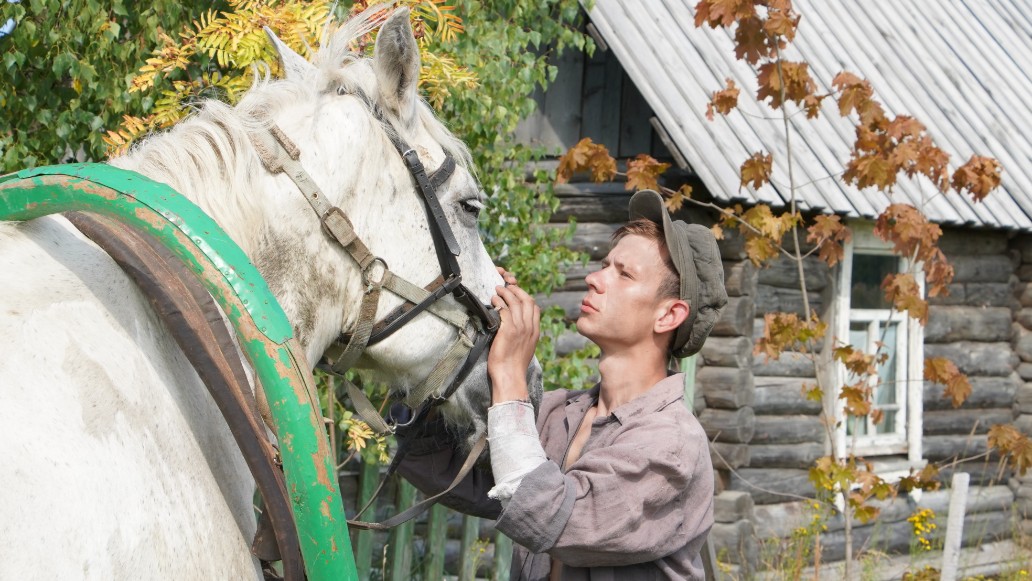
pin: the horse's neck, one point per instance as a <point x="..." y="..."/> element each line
<point x="312" y="288"/>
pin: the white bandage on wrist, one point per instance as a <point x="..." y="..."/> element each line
<point x="515" y="447"/>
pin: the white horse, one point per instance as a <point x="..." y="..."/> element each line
<point x="115" y="461"/>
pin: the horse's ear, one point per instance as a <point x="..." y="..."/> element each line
<point x="295" y="66"/>
<point x="396" y="62"/>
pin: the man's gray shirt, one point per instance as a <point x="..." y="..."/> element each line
<point x="637" y="503"/>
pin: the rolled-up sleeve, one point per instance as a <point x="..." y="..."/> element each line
<point x="638" y="498"/>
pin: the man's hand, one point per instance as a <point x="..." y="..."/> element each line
<point x="513" y="346"/>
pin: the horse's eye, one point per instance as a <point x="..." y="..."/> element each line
<point x="472" y="207"/>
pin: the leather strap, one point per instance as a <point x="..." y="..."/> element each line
<point x="421" y="507"/>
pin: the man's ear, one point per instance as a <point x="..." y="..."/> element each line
<point x="675" y="312"/>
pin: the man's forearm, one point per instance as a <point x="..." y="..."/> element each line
<point x="515" y="447"/>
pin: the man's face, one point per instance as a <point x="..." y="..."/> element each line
<point x="622" y="303"/>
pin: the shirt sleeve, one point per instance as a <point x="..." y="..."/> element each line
<point x="641" y="498"/>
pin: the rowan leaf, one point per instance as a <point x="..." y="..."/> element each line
<point x="756" y="170"/>
<point x="944" y="372"/>
<point x="643" y="172"/>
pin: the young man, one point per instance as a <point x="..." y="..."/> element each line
<point x="614" y="482"/>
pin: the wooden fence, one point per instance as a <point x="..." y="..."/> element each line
<point x="440" y="544"/>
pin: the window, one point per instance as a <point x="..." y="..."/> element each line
<point x="866" y="320"/>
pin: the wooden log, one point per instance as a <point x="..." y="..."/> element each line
<point x="569" y="342"/>
<point x="964" y="421"/>
<point x="956" y="241"/>
<point x="736" y="542"/>
<point x="772" y="485"/>
<point x="739" y="277"/>
<point x="1023" y="399"/>
<point x="1023" y="344"/>
<point x="985" y="294"/>
<point x="590" y="202"/>
<point x="737" y="318"/>
<point x="734" y="426"/>
<point x="779" y="520"/>
<point x="801" y="455"/>
<point x="936" y="448"/>
<point x="982" y="473"/>
<point x="770" y="299"/>
<point x="897" y="537"/>
<point x="981" y="499"/>
<point x="986" y="359"/>
<point x="726" y="387"/>
<point x="986" y="392"/>
<point x="981" y="268"/>
<point x="784" y="273"/>
<point x="724" y="455"/>
<point x="990" y="294"/>
<point x="1024" y="316"/>
<point x="963" y="323"/>
<point x="575" y="276"/>
<point x="732" y="246"/>
<point x="569" y="301"/>
<point x="788" y="429"/>
<point x="732" y="506"/>
<point x="783" y="395"/>
<point x="589" y="237"/>
<point x="728" y="352"/>
<point x="1022" y="244"/>
<point x="789" y="364"/>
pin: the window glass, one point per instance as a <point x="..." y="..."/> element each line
<point x="869" y="271"/>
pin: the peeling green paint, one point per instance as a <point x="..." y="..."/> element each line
<point x="261" y="326"/>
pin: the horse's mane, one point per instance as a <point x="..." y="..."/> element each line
<point x="210" y="151"/>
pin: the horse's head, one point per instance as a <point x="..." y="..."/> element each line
<point x="344" y="133"/>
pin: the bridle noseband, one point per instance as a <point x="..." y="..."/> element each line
<point x="476" y="323"/>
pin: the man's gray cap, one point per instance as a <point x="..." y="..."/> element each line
<point x="693" y="250"/>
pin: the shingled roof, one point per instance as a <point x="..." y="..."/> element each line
<point x="961" y="67"/>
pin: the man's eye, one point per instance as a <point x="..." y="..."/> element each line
<point x="472" y="207"/>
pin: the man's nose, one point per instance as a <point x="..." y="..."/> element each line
<point x="594" y="281"/>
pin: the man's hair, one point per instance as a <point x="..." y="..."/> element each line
<point x="670" y="286"/>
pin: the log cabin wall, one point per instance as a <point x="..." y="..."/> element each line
<point x="1021" y="485"/>
<point x="765" y="434"/>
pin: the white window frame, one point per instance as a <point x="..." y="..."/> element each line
<point x="910" y="364"/>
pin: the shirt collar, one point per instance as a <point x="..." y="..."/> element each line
<point x="657" y="397"/>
